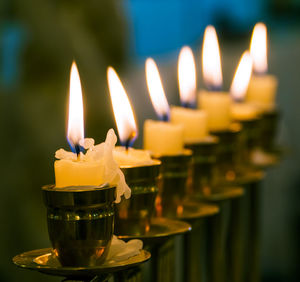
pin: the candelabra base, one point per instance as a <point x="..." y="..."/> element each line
<point x="45" y="261"/>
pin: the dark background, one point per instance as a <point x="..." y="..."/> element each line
<point x="38" y="41"/>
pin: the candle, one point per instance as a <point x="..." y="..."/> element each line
<point x="214" y="101"/>
<point x="126" y="125"/>
<point x="262" y="87"/>
<point x="241" y="110"/>
<point x="74" y="171"/>
<point x="194" y="121"/>
<point x="96" y="165"/>
<point x="160" y="137"/>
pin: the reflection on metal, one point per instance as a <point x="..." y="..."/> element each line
<point x="133" y="215"/>
<point x="80" y="223"/>
<point x="45" y="261"/>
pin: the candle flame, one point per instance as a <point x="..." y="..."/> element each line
<point x="187" y="76"/>
<point x="123" y="112"/>
<point x="211" y="60"/>
<point x="156" y="90"/>
<point x="242" y="77"/>
<point x="75" y="121"/>
<point x="258" y="48"/>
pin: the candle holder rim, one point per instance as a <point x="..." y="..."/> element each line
<point x="234" y="127"/>
<point x="153" y="163"/>
<point x="209" y="139"/>
<point x="78" y="189"/>
<point x="184" y="153"/>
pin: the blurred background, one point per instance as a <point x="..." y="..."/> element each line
<point x="39" y="40"/>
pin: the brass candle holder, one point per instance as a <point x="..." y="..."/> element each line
<point x="266" y="153"/>
<point x="80" y="223"/>
<point x="203" y="178"/>
<point x="175" y="172"/>
<point x="133" y="215"/>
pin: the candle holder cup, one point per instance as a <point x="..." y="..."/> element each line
<point x="203" y="175"/>
<point x="232" y="154"/>
<point x="173" y="184"/>
<point x="268" y="126"/>
<point x="80" y="223"/>
<point x="133" y="215"/>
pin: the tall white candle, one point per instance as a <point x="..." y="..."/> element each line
<point x="262" y="87"/>
<point x="240" y="110"/>
<point x="194" y="121"/>
<point x="126" y="125"/>
<point x="160" y="137"/>
<point x="215" y="102"/>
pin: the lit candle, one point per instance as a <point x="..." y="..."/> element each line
<point x="76" y="171"/>
<point x="126" y="125"/>
<point x="214" y="101"/>
<point x="160" y="137"/>
<point x="194" y="121"/>
<point x="96" y="165"/>
<point x="262" y="87"/>
<point x="240" y="110"/>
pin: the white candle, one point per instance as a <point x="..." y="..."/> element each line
<point x="126" y="125"/>
<point x="94" y="167"/>
<point x="194" y="121"/>
<point x="216" y="103"/>
<point x="160" y="137"/>
<point x="240" y="110"/>
<point x="75" y="171"/>
<point x="262" y="87"/>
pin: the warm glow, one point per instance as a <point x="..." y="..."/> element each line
<point x="242" y="77"/>
<point x="258" y="48"/>
<point x="187" y="76"/>
<point x="75" y="121"/>
<point x="156" y="90"/>
<point x="122" y="109"/>
<point x="211" y="60"/>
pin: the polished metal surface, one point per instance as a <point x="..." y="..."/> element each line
<point x="160" y="228"/>
<point x="80" y="223"/>
<point x="133" y="215"/>
<point x="45" y="261"/>
<point x="173" y="183"/>
<point x="204" y="159"/>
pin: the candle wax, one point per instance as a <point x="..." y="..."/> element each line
<point x="78" y="173"/>
<point x="163" y="138"/>
<point x="217" y="105"/>
<point x="262" y="91"/>
<point x="194" y="123"/>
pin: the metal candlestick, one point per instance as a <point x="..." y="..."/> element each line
<point x="45" y="261"/>
<point x="177" y="174"/>
<point x="80" y="223"/>
<point x="133" y="219"/>
<point x="133" y="215"/>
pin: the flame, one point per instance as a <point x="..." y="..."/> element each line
<point x="242" y="77"/>
<point x="156" y="90"/>
<point x="258" y="48"/>
<point x="75" y="121"/>
<point x="211" y="59"/>
<point x="122" y="109"/>
<point x="187" y="76"/>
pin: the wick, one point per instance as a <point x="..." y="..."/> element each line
<point x="77" y="151"/>
<point x="214" y="88"/>
<point x="188" y="105"/>
<point x="165" y="117"/>
<point x="127" y="143"/>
